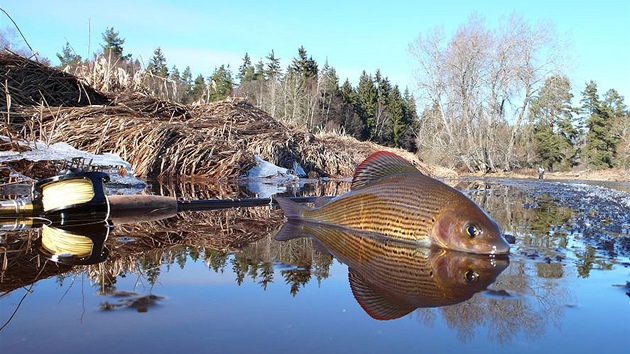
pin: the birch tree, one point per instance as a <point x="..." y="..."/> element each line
<point x="477" y="87"/>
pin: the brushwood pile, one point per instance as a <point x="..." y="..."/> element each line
<point x="162" y="139"/>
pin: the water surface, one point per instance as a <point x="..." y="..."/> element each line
<point x="218" y="282"/>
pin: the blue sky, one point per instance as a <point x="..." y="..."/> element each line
<point x="352" y="35"/>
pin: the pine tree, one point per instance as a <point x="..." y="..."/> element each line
<point x="554" y="132"/>
<point x="220" y="83"/>
<point x="68" y="57"/>
<point x="246" y="70"/>
<point x="366" y="104"/>
<point x="157" y="64"/>
<point x="113" y="47"/>
<point x="600" y="147"/>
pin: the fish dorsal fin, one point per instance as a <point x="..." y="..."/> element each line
<point x="375" y="304"/>
<point x="380" y="164"/>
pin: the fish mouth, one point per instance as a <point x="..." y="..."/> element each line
<point x="491" y="249"/>
<point x="500" y="250"/>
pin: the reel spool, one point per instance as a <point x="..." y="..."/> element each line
<point x="74" y="195"/>
<point x="74" y="245"/>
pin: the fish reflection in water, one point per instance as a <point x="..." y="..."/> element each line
<point x="390" y="278"/>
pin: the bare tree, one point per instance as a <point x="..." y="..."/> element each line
<point x="478" y="86"/>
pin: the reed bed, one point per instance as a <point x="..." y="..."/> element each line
<point x="27" y="83"/>
<point x="211" y="141"/>
<point x="166" y="140"/>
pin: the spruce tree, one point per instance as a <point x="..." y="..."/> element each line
<point x="554" y="132"/>
<point x="600" y="147"/>
<point x="383" y="120"/>
<point x="410" y="120"/>
<point x="303" y="65"/>
<point x="366" y="104"/>
<point x="220" y="83"/>
<point x="68" y="57"/>
<point x="399" y="124"/>
<point x="198" y="89"/>
<point x="246" y="70"/>
<point x="157" y="64"/>
<point x="113" y="47"/>
<point x="273" y="71"/>
<point x="351" y="121"/>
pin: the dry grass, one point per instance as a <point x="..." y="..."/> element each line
<point x="31" y="83"/>
<point x="212" y="141"/>
<point x="165" y="140"/>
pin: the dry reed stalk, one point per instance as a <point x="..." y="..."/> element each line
<point x="165" y="140"/>
<point x="30" y="82"/>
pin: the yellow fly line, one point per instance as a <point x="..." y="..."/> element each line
<point x="67" y="192"/>
<point x="60" y="242"/>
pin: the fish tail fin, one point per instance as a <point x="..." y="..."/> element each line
<point x="290" y="230"/>
<point x="291" y="209"/>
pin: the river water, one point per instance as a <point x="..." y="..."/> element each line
<point x="218" y="281"/>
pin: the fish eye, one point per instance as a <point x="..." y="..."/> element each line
<point x="471" y="276"/>
<point x="473" y="230"/>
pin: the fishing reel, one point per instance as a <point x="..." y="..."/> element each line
<point x="73" y="196"/>
<point x="74" y="245"/>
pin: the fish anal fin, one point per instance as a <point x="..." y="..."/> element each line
<point x="373" y="302"/>
<point x="378" y="165"/>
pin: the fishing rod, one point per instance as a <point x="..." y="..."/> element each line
<point x="74" y="194"/>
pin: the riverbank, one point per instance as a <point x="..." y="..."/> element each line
<point x="609" y="175"/>
<point x="164" y="140"/>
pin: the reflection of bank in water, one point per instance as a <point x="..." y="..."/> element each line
<point x="389" y="279"/>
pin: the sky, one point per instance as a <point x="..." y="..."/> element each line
<point x="351" y="35"/>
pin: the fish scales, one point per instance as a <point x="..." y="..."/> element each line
<point x="399" y="206"/>
<point x="409" y="269"/>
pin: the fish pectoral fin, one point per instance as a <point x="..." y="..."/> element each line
<point x="378" y="165"/>
<point x="376" y="304"/>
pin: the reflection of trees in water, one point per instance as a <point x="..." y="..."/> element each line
<point x="541" y="225"/>
<point x="589" y="260"/>
<point x="302" y="260"/>
<point x="528" y="307"/>
<point x="542" y="229"/>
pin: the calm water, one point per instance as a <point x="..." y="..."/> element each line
<point x="218" y="282"/>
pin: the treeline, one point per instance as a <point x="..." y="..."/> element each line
<point x="304" y="93"/>
<point x="497" y="99"/>
<point x="491" y="99"/>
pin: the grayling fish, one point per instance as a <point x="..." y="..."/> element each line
<point x="389" y="278"/>
<point x="391" y="197"/>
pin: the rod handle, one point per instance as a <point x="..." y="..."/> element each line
<point x="125" y="209"/>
